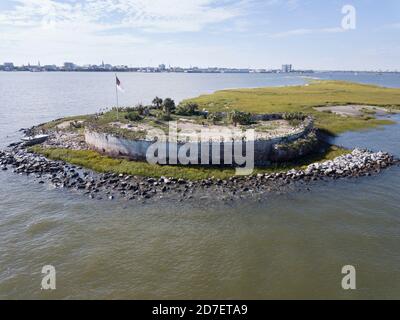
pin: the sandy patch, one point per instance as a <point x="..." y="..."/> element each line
<point x="67" y="124"/>
<point x="354" y="110"/>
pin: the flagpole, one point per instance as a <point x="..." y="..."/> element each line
<point x="116" y="94"/>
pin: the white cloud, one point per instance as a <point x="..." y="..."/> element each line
<point x="52" y="27"/>
<point x="149" y="15"/>
<point x="299" y="32"/>
<point x="290" y="4"/>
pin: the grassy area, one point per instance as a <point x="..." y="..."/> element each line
<point x="52" y="124"/>
<point x="100" y="163"/>
<point x="289" y="99"/>
<point x="305" y="99"/>
<point x="261" y="100"/>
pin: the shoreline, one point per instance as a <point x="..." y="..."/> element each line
<point x="71" y="165"/>
<point x="359" y="163"/>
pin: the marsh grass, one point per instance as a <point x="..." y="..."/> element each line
<point x="53" y="124"/>
<point x="101" y="163"/>
<point x="304" y="99"/>
<point x="291" y="99"/>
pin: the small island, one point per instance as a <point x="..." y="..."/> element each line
<point x="104" y="154"/>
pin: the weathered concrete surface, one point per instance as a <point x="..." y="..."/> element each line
<point x="116" y="146"/>
<point x="200" y="152"/>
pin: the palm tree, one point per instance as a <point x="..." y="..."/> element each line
<point x="157" y="102"/>
<point x="168" y="106"/>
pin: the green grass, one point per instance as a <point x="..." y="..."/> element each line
<point x="100" y="163"/>
<point x="305" y="99"/>
<point x="275" y="100"/>
<point x="52" y="124"/>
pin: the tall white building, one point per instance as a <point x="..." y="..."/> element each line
<point x="286" y="68"/>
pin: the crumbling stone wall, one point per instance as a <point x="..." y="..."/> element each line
<point x="265" y="150"/>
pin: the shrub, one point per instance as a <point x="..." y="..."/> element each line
<point x="299" y="144"/>
<point x="214" y="117"/>
<point x="142" y="110"/>
<point x="294" y="116"/>
<point x="187" y="109"/>
<point x="133" y="116"/>
<point x="76" y="124"/>
<point x="130" y="109"/>
<point x="238" y="117"/>
<point x="161" y="115"/>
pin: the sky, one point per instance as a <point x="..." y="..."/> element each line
<point x="310" y="34"/>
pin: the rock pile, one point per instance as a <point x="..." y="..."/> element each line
<point x="359" y="162"/>
<point x="111" y="185"/>
<point x="66" y="140"/>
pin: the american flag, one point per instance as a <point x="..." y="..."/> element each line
<point x="118" y="82"/>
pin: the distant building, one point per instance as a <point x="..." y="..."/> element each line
<point x="37" y="68"/>
<point x="52" y="67"/>
<point x="161" y="67"/>
<point x="8" y="66"/>
<point x="69" y="66"/>
<point x="286" y="68"/>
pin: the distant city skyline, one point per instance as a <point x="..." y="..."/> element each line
<point x="253" y="34"/>
<point x="70" y="66"/>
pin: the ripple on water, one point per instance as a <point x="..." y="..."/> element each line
<point x="41" y="226"/>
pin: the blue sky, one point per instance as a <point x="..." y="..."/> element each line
<point x="231" y="33"/>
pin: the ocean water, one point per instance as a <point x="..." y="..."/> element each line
<point x="290" y="245"/>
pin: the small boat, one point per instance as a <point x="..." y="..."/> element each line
<point x="30" y="141"/>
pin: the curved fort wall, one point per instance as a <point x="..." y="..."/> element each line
<point x="265" y="150"/>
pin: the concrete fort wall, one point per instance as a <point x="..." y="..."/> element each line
<point x="265" y="150"/>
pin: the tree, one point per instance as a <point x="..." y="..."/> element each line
<point x="214" y="117"/>
<point x="133" y="116"/>
<point x="140" y="109"/>
<point x="157" y="102"/>
<point x="238" y="117"/>
<point x="168" y="106"/>
<point x="187" y="109"/>
<point x="234" y="117"/>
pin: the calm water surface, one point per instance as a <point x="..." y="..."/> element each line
<point x="285" y="246"/>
